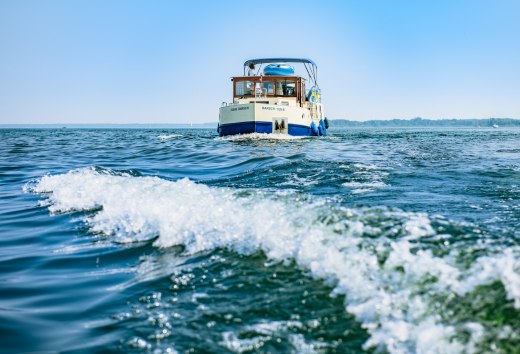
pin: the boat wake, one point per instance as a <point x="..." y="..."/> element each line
<point x="403" y="275"/>
<point x="260" y="136"/>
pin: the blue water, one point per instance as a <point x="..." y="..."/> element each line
<point x="176" y="241"/>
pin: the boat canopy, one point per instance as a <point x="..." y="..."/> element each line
<point x="310" y="66"/>
<point x="279" y="60"/>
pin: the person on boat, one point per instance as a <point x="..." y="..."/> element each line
<point x="251" y="71"/>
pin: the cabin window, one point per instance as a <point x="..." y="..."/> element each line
<point x="286" y="88"/>
<point x="267" y="87"/>
<point x="244" y="88"/>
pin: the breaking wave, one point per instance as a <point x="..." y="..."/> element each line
<point x="402" y="274"/>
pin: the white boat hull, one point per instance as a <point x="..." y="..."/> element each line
<point x="265" y="118"/>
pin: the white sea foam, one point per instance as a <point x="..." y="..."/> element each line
<point x="388" y="298"/>
<point x="303" y="347"/>
<point x="260" y="136"/>
<point x="265" y="331"/>
<point x="365" y="166"/>
<point x="366" y="178"/>
<point x="237" y="345"/>
<point x="364" y="187"/>
<point x="169" y="136"/>
<point x="294" y="180"/>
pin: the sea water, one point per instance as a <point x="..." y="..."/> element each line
<point x="394" y="240"/>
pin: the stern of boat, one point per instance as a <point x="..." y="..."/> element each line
<point x="263" y="118"/>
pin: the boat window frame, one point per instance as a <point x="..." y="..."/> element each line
<point x="299" y="84"/>
<point x="264" y="81"/>
<point x="285" y="80"/>
<point x="244" y="95"/>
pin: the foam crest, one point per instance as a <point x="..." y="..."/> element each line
<point x="169" y="136"/>
<point x="370" y="255"/>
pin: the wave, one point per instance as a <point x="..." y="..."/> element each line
<point x="169" y="136"/>
<point x="395" y="283"/>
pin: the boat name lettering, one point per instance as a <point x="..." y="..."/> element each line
<point x="239" y="108"/>
<point x="273" y="108"/>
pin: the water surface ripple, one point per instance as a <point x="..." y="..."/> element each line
<point x="178" y="241"/>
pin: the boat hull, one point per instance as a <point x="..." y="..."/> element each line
<point x="264" y="118"/>
<point x="261" y="127"/>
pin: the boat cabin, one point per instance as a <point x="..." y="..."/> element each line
<point x="266" y="89"/>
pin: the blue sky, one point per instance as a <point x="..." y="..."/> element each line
<point x="170" y="61"/>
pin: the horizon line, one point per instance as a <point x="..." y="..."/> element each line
<point x="216" y="122"/>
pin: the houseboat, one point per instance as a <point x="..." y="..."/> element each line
<point x="271" y="98"/>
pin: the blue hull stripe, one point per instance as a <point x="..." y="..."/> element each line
<point x="261" y="127"/>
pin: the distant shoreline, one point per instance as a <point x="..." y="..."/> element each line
<point x="415" y="122"/>
<point x="421" y="122"/>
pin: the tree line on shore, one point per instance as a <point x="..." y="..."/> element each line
<point x="421" y="122"/>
